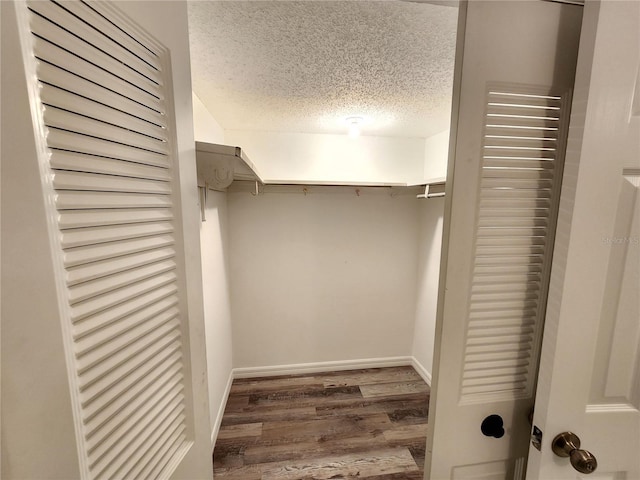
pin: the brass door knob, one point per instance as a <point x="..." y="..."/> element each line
<point x="567" y="444"/>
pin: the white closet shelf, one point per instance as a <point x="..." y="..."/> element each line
<point x="225" y="167"/>
<point x="219" y="165"/>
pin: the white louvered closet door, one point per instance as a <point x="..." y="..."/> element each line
<point x="107" y="115"/>
<point x="514" y="86"/>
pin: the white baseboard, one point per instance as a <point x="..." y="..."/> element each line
<point x="316" y="367"/>
<point x="223" y="404"/>
<point x="426" y="376"/>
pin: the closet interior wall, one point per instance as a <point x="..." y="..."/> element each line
<point x="322" y="278"/>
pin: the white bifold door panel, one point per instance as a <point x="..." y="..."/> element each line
<point x="513" y="87"/>
<point x="105" y="114"/>
<point x="590" y="369"/>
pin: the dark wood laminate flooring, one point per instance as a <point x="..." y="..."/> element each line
<point x="366" y="424"/>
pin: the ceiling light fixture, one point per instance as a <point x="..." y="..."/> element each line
<point x="354" y="125"/>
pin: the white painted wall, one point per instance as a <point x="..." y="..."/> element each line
<point x="322" y="277"/>
<point x="37" y="422"/>
<point x="429" y="246"/>
<point x="205" y="127"/>
<point x="305" y="157"/>
<point x="214" y="240"/>
<point x="436" y="153"/>
<point x="217" y="304"/>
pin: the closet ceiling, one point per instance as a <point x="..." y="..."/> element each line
<point x="305" y="66"/>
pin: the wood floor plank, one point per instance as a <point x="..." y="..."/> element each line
<point x="406" y="432"/>
<point x="252" y="472"/>
<point x="362" y="465"/>
<point x="245" y="430"/>
<point x="388" y="375"/>
<point x="302" y="397"/>
<point x="393" y="389"/>
<point x="336" y="445"/>
<point x="325" y="427"/>
<point x="274" y="383"/>
<point x="405" y="409"/>
<point x="366" y="424"/>
<point x="269" y="415"/>
<point x="236" y="402"/>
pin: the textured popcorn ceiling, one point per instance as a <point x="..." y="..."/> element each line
<point x="304" y="66"/>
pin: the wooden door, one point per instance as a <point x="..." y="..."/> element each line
<point x="590" y="369"/>
<point x="515" y="70"/>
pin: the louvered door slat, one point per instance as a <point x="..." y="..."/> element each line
<point x="95" y="388"/>
<point x="480" y="349"/>
<point x="504" y="296"/>
<point x="64" y="180"/>
<point x="518" y="142"/>
<point x="113" y="464"/>
<point x="93" y="253"/>
<point x="509" y="172"/>
<point x="510" y="242"/>
<point x="98" y="353"/>
<point x="510" y="212"/>
<point x="121" y="279"/>
<point x="499" y="340"/>
<point x="169" y="395"/>
<point x="116" y="412"/>
<point x="526" y="99"/>
<point x="491" y="232"/>
<point x="124" y="294"/>
<point x="519" y="315"/>
<point x="78" y="162"/>
<point x="478" y="369"/>
<point x="122" y="311"/>
<point x="98" y="235"/>
<point x="131" y="414"/>
<point x="64" y="100"/>
<point x="102" y="96"/>
<point x="485" y="384"/>
<point x="538" y="164"/>
<point x="504" y="355"/>
<point x="94" y="218"/>
<point x="509" y="194"/>
<point x="58" y="78"/>
<point x="117" y="261"/>
<point x="99" y="320"/>
<point x="50" y="53"/>
<point x="510" y="250"/>
<point x="496" y="222"/>
<point x="64" y="140"/>
<point x="92" y="340"/>
<point x="122" y="360"/>
<point x="91" y="15"/>
<point x="525" y="269"/>
<point x="50" y="32"/>
<point x="97" y="416"/>
<point x="523" y="109"/>
<point x="58" y="14"/>
<point x="165" y="433"/>
<point x="518" y="183"/>
<point x="150" y="465"/>
<point x="68" y="200"/>
<point x="54" y="117"/>
<point x="520" y="132"/>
